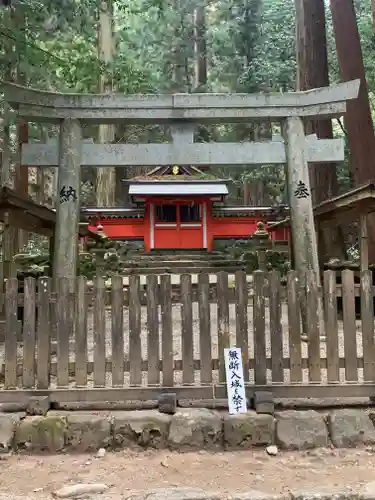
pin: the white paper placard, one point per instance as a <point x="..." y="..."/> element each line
<point x="235" y="380"/>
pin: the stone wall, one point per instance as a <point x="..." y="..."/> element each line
<point x="85" y="431"/>
<point x="243" y="250"/>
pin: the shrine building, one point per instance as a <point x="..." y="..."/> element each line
<point x="180" y="207"/>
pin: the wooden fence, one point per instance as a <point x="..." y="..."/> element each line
<point x="136" y="341"/>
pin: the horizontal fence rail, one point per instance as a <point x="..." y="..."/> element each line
<point x="164" y="335"/>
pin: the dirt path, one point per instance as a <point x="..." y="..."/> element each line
<point x="224" y="472"/>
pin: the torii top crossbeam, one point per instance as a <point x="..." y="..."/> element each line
<point x="42" y="106"/>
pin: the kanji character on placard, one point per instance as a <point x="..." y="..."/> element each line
<point x="236" y="384"/>
<point x="234" y="365"/>
<point x="233" y="355"/>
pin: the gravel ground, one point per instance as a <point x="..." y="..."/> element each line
<point x="322" y="469"/>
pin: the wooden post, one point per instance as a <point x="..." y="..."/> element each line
<point x="363" y="242"/>
<point x="263" y="244"/>
<point x="301" y="211"/>
<point x="51" y="250"/>
<point x="67" y="205"/>
<point x="9" y="235"/>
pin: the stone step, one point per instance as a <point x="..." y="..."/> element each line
<point x="181" y="263"/>
<point x="178" y="256"/>
<point x="180" y="270"/>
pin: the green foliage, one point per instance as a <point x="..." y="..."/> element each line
<point x="253" y="45"/>
<point x="250" y="47"/>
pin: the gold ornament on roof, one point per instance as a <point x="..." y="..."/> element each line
<point x="175" y="170"/>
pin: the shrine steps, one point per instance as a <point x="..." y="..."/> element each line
<point x="182" y="263"/>
<point x="179" y="270"/>
<point x="178" y="255"/>
<point x="193" y="262"/>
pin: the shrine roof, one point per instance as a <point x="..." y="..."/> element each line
<point x="174" y="178"/>
<point x="178" y="188"/>
<point x="175" y="173"/>
<point x="177" y="180"/>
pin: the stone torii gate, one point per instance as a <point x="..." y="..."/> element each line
<point x="182" y="112"/>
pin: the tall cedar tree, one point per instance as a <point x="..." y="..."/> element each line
<point x="358" y="119"/>
<point x="312" y="72"/>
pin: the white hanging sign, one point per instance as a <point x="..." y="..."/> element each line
<point x="235" y="380"/>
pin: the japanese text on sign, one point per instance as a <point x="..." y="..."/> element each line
<point x="301" y="191"/>
<point x="235" y="381"/>
<point x="67" y="193"/>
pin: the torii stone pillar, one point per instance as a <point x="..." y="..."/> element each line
<point x="301" y="213"/>
<point x="299" y="193"/>
<point x="67" y="206"/>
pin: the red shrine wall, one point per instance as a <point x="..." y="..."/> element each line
<point x="184" y="237"/>
<point x="121" y="228"/>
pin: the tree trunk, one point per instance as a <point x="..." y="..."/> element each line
<point x="22" y="172"/>
<point x="22" y="178"/>
<point x="106" y="177"/>
<point x="200" y="48"/>
<point x="10" y="241"/>
<point x="181" y="78"/>
<point x="245" y="193"/>
<point x="257" y="194"/>
<point x="200" y="53"/>
<point x="373" y="14"/>
<point x="312" y="72"/>
<point x="358" y="119"/>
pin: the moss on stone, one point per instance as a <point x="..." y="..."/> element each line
<point x="41" y="433"/>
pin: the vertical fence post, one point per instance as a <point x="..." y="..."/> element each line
<point x="313" y="323"/>
<point x="349" y="320"/>
<point x="260" y="362"/>
<point x="63" y="331"/>
<point x="152" y="295"/>
<point x="11" y="300"/>
<point x="222" y="320"/>
<point x="205" y="344"/>
<point x="135" y="353"/>
<point x="187" y="329"/>
<point x="241" y="298"/>
<point x="44" y="332"/>
<point x="330" y="306"/>
<point x="117" y="299"/>
<point x="99" y="333"/>
<point x="294" y="323"/>
<point x="367" y="317"/>
<point x="276" y="332"/>
<point x="167" y="329"/>
<point x="29" y="337"/>
<point x="81" y="333"/>
<point x="367" y="320"/>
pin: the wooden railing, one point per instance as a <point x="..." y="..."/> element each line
<point x="160" y="337"/>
